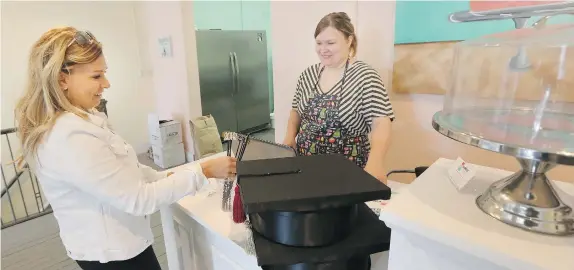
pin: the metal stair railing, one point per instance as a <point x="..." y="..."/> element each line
<point x="19" y="208"/>
<point x="21" y="188"/>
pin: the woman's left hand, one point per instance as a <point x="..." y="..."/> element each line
<point x="377" y="171"/>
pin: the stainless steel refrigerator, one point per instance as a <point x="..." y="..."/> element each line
<point x="233" y="78"/>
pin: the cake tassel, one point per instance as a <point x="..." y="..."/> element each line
<point x="238" y="213"/>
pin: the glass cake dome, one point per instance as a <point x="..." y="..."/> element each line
<point x="513" y="93"/>
<point x="517" y="88"/>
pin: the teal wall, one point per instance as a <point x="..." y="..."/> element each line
<point x="237" y="15"/>
<point x="427" y="21"/>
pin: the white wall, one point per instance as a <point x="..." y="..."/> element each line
<point x="142" y="81"/>
<point x="174" y="80"/>
<point x="130" y="98"/>
<point x="375" y="29"/>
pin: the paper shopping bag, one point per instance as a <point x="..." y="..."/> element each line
<point x="205" y="136"/>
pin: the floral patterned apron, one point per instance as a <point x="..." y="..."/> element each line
<point x="321" y="132"/>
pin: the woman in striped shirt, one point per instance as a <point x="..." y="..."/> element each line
<point x="340" y="105"/>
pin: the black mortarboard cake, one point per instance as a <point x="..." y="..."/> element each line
<point x="310" y="209"/>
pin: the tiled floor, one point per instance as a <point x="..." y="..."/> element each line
<point x="36" y="245"/>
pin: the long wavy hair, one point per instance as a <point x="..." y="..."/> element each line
<point x="44" y="99"/>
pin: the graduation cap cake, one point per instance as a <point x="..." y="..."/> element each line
<point x="310" y="210"/>
<point x="369" y="236"/>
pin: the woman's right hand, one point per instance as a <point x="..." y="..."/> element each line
<point x="289" y="142"/>
<point x="221" y="167"/>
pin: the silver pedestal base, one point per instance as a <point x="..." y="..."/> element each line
<point x="527" y="200"/>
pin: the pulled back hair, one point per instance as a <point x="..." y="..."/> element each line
<point x="341" y="22"/>
<point x="43" y="101"/>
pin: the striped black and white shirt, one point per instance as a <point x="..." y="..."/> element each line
<point x="363" y="96"/>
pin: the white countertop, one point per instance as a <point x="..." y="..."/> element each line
<point x="205" y="208"/>
<point x="432" y="207"/>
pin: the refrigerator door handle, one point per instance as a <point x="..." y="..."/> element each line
<point x="233" y="74"/>
<point x="236" y="72"/>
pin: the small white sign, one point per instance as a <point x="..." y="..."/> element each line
<point x="165" y="47"/>
<point x="460" y="173"/>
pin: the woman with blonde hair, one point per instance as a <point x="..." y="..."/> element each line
<point x="101" y="195"/>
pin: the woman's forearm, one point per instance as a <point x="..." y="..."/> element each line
<point x="380" y="139"/>
<point x="293" y="125"/>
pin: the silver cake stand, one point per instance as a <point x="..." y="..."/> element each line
<point x="526" y="199"/>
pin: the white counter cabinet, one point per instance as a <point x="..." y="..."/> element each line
<point x="206" y="236"/>
<point x="436" y="227"/>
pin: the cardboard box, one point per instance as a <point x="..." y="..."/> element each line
<point x="168" y="156"/>
<point x="164" y="132"/>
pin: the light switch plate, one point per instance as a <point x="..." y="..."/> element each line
<point x="165" y="48"/>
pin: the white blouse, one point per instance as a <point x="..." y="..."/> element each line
<point x="101" y="195"/>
